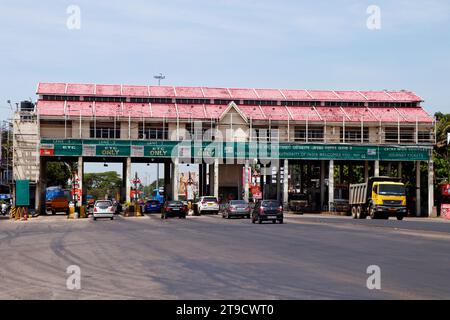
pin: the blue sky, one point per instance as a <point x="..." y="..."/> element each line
<point x="280" y="44"/>
<point x="256" y="43"/>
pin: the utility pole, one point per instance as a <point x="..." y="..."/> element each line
<point x="159" y="78"/>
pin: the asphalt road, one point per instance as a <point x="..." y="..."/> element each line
<point x="208" y="257"/>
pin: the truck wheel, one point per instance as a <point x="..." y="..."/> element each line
<point x="359" y="212"/>
<point x="53" y="212"/>
<point x="354" y="216"/>
<point x="400" y="217"/>
<point x="372" y="213"/>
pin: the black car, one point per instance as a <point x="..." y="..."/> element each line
<point x="174" y="209"/>
<point x="268" y="210"/>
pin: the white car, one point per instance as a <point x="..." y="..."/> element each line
<point x="104" y="209"/>
<point x="207" y="205"/>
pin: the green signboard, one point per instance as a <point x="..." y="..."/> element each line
<point x="112" y="151"/>
<point x="22" y="192"/>
<point x="236" y="150"/>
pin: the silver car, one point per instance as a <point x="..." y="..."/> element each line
<point x="104" y="209"/>
<point x="236" y="208"/>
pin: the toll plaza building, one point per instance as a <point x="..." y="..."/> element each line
<point x="293" y="141"/>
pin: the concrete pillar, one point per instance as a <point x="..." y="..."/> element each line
<point x="377" y="168"/>
<point x="37" y="196"/>
<point x="211" y="180"/>
<point x="400" y="170"/>
<point x="128" y="180"/>
<point x="247" y="176"/>
<point x="80" y="176"/>
<point x="216" y="178"/>
<point x="286" y="183"/>
<point x="278" y="182"/>
<point x="431" y="212"/>
<point x="389" y="169"/>
<point x="167" y="191"/>
<point x="366" y="170"/>
<point x="418" y="202"/>
<point x="174" y="178"/>
<point x="322" y="184"/>
<point x="330" y="185"/>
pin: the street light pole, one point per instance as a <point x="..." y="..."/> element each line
<point x="159" y="78"/>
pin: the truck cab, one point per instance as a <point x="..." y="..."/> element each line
<point x="388" y="198"/>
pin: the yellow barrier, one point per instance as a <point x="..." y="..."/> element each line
<point x="83" y="212"/>
<point x="137" y="210"/>
<point x="71" y="213"/>
<point x="19" y="213"/>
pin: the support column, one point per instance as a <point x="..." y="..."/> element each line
<point x="377" y="168"/>
<point x="400" y="170"/>
<point x="205" y="189"/>
<point x="418" y="202"/>
<point x="216" y="178"/>
<point x="322" y="184"/>
<point x="175" y="178"/>
<point x="331" y="185"/>
<point x="247" y="176"/>
<point x="286" y="183"/>
<point x="366" y="171"/>
<point x="80" y="176"/>
<point x="389" y="169"/>
<point x="431" y="189"/>
<point x="167" y="191"/>
<point x="278" y="181"/>
<point x="128" y="180"/>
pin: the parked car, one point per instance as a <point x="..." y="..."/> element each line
<point x="104" y="209"/>
<point x="268" y="210"/>
<point x="153" y="206"/>
<point x="174" y="209"/>
<point x="236" y="208"/>
<point x="207" y="205"/>
<point x="298" y="202"/>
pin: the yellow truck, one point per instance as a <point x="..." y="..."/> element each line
<point x="379" y="198"/>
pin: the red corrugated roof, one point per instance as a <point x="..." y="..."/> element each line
<point x="225" y="93"/>
<point x="74" y="108"/>
<point x="50" y="108"/>
<point x="196" y="111"/>
<point x="108" y="90"/>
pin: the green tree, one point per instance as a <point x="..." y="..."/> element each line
<point x="148" y="190"/>
<point x="57" y="174"/>
<point x="102" y="184"/>
<point x="441" y="151"/>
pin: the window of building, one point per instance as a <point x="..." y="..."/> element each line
<point x="222" y="102"/>
<point x="152" y="131"/>
<point x="105" y="130"/>
<point x="425" y="136"/>
<point x="104" y="99"/>
<point x="354" y="134"/>
<point x="193" y="101"/>
<point x="202" y="131"/>
<point x="264" y="134"/>
<point x="314" y="133"/>
<point x="407" y="135"/>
